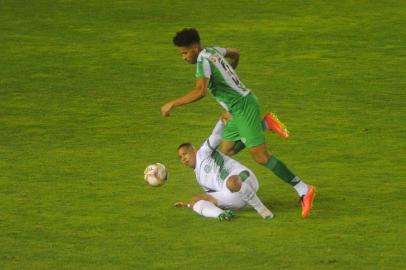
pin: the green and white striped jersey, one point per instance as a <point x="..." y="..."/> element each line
<point x="213" y="168"/>
<point x="224" y="84"/>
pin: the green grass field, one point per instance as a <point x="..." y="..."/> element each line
<point x="81" y="84"/>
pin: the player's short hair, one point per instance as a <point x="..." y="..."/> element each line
<point x="186" y="37"/>
<point x="186" y="144"/>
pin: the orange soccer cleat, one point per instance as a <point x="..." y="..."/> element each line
<point x="272" y="123"/>
<point x="307" y="201"/>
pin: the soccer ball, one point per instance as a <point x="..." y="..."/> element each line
<point x="155" y="175"/>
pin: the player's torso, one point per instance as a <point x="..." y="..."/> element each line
<point x="211" y="171"/>
<point x="224" y="84"/>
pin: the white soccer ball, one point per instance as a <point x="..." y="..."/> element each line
<point x="155" y="175"/>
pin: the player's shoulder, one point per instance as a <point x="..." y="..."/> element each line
<point x="204" y="150"/>
<point x="208" y="52"/>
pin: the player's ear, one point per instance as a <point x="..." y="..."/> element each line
<point x="195" y="47"/>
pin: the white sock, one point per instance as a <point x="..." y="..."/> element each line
<point x="249" y="196"/>
<point x="301" y="188"/>
<point x="207" y="209"/>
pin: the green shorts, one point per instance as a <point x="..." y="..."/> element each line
<point x="245" y="125"/>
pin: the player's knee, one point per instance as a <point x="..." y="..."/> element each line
<point x="234" y="183"/>
<point x="227" y="149"/>
<point x="260" y="154"/>
<point x="261" y="158"/>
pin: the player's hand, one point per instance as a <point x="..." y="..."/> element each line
<point x="225" y="117"/>
<point x="180" y="204"/>
<point x="165" y="109"/>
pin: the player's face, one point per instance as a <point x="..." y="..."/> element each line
<point x="189" y="54"/>
<point x="187" y="156"/>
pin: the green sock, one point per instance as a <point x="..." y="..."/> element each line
<point x="238" y="146"/>
<point x="279" y="168"/>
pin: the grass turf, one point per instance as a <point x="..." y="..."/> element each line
<point x="81" y="83"/>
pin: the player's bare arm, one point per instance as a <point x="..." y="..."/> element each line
<point x="196" y="198"/>
<point x="225" y="116"/>
<point x="233" y="56"/>
<point x="199" y="92"/>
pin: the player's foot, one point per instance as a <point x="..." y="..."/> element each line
<point x="266" y="213"/>
<point x="307" y="201"/>
<point x="272" y="123"/>
<point x="227" y="215"/>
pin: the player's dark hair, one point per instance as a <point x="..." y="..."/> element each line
<point x="187" y="144"/>
<point x="186" y="37"/>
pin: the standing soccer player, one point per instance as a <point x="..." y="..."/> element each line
<point x="216" y="75"/>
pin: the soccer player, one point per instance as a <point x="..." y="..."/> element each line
<point x="216" y="75"/>
<point x="227" y="183"/>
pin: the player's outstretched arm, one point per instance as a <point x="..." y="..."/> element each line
<point x="233" y="56"/>
<point x="215" y="137"/>
<point x="199" y="92"/>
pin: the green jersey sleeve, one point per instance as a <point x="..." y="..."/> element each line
<point x="203" y="69"/>
<point x="221" y="50"/>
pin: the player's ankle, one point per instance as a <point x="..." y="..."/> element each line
<point x="265" y="213"/>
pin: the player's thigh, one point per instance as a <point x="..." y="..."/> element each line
<point x="227" y="147"/>
<point x="228" y="200"/>
<point x="231" y="132"/>
<point x="248" y="122"/>
<point x="251" y="133"/>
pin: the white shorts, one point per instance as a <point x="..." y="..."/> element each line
<point x="229" y="200"/>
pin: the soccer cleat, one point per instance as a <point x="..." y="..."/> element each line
<point x="227" y="215"/>
<point x="266" y="213"/>
<point x="272" y="123"/>
<point x="307" y="201"/>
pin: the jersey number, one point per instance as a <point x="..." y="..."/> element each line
<point x="233" y="76"/>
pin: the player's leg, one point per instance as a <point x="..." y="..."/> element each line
<point x="249" y="126"/>
<point x="231" y="143"/>
<point x="250" y="130"/>
<point x="206" y="205"/>
<point x="238" y="184"/>
<point x="231" y="148"/>
<point x="306" y="192"/>
<point x="227" y="147"/>
<point x="262" y="156"/>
